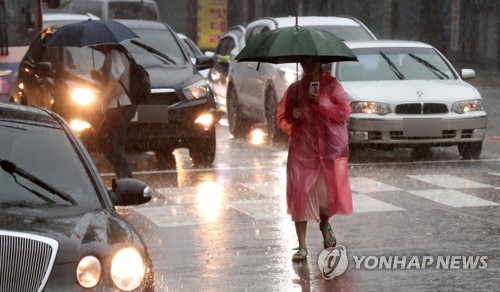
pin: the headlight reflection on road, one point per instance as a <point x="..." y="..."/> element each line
<point x="210" y="199"/>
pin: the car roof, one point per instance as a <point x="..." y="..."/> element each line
<point x="53" y="16"/>
<point x="386" y="44"/>
<point x="27" y="114"/>
<point x="316" y="20"/>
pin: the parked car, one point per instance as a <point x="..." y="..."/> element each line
<point x="116" y="9"/>
<point x="59" y="230"/>
<point x="407" y="94"/>
<point x="229" y="45"/>
<point x="252" y="95"/>
<point x="60" y="79"/>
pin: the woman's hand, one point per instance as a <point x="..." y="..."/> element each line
<point x="296" y="113"/>
<point x="314" y="98"/>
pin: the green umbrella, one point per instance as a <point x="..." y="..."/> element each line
<point x="290" y="44"/>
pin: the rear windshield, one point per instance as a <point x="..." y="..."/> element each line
<point x="347" y="33"/>
<point x="132" y="10"/>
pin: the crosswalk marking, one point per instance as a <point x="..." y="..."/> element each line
<point x="169" y="216"/>
<point x="449" y="181"/>
<point x="367" y="185"/>
<point x="268" y="189"/>
<point x="260" y="209"/>
<point x="452" y="198"/>
<point x="363" y="203"/>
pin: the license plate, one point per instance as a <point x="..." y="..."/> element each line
<point x="418" y="127"/>
<point x="151" y="113"/>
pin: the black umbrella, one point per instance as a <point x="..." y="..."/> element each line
<point x="90" y="33"/>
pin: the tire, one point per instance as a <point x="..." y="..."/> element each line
<point x="470" y="150"/>
<point x="239" y="127"/>
<point x="202" y="152"/>
<point x="271" y="106"/>
<point x="166" y="159"/>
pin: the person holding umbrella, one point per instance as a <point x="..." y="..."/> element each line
<point x="313" y="112"/>
<point x="117" y="108"/>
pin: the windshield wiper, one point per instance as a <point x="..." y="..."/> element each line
<point x="392" y="66"/>
<point x="429" y="66"/>
<point x="153" y="51"/>
<point x="12" y="168"/>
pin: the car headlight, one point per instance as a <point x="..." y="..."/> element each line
<point x="88" y="272"/>
<point x="127" y="269"/>
<point x="290" y="76"/>
<point x="196" y="91"/>
<point x="467" y="106"/>
<point x="83" y="96"/>
<point x="366" y="107"/>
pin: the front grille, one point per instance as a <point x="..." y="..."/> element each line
<point x="398" y="135"/>
<point x="167" y="97"/>
<point x="375" y="135"/>
<point x="25" y="261"/>
<point x="467" y="133"/>
<point x="421" y="108"/>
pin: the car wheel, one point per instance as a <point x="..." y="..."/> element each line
<point x="470" y="150"/>
<point x="202" y="152"/>
<point x="165" y="158"/>
<point x="238" y="126"/>
<point x="274" y="132"/>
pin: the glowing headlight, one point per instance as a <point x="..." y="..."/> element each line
<point x="467" y="106"/>
<point x="290" y="76"/>
<point x="88" y="272"/>
<point x="79" y="126"/>
<point x="196" y="91"/>
<point x="83" y="96"/>
<point x="205" y="120"/>
<point x="127" y="269"/>
<point x="370" y="107"/>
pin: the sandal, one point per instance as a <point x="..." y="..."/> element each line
<point x="330" y="242"/>
<point x="299" y="256"/>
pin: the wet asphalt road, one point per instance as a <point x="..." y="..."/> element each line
<point x="225" y="228"/>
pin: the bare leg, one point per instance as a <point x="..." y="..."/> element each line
<point x="301" y="229"/>
<point x="329" y="239"/>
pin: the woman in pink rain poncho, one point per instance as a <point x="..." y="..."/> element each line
<point x="317" y="174"/>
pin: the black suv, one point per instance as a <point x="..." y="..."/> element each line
<point x="60" y="79"/>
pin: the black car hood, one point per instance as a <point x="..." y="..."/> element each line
<point x="95" y="232"/>
<point x="176" y="77"/>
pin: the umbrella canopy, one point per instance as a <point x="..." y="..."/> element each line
<point x="290" y="44"/>
<point x="90" y="33"/>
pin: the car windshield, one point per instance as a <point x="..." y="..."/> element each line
<point x="346" y="32"/>
<point x="395" y="64"/>
<point x="47" y="154"/>
<point x="159" y="39"/>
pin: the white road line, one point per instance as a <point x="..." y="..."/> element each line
<point x="268" y="189"/>
<point x="494" y="173"/>
<point x="449" y="181"/>
<point x="368" y="185"/>
<point x="180" y="195"/>
<point x="452" y="198"/>
<point x="260" y="209"/>
<point x="169" y="216"/>
<point x="363" y="203"/>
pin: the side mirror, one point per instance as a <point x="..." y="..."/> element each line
<point x="43" y="69"/>
<point x="129" y="191"/>
<point x="467" y="73"/>
<point x="204" y="62"/>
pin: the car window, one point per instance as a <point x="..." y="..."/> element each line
<point x="80" y="61"/>
<point x="373" y="66"/>
<point x="132" y="10"/>
<point x="255" y="32"/>
<point x="192" y="48"/>
<point x="354" y="33"/>
<point x="160" y="39"/>
<point x="89" y="6"/>
<point x="46" y="153"/>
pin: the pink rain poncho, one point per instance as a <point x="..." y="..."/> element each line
<point x="318" y="143"/>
